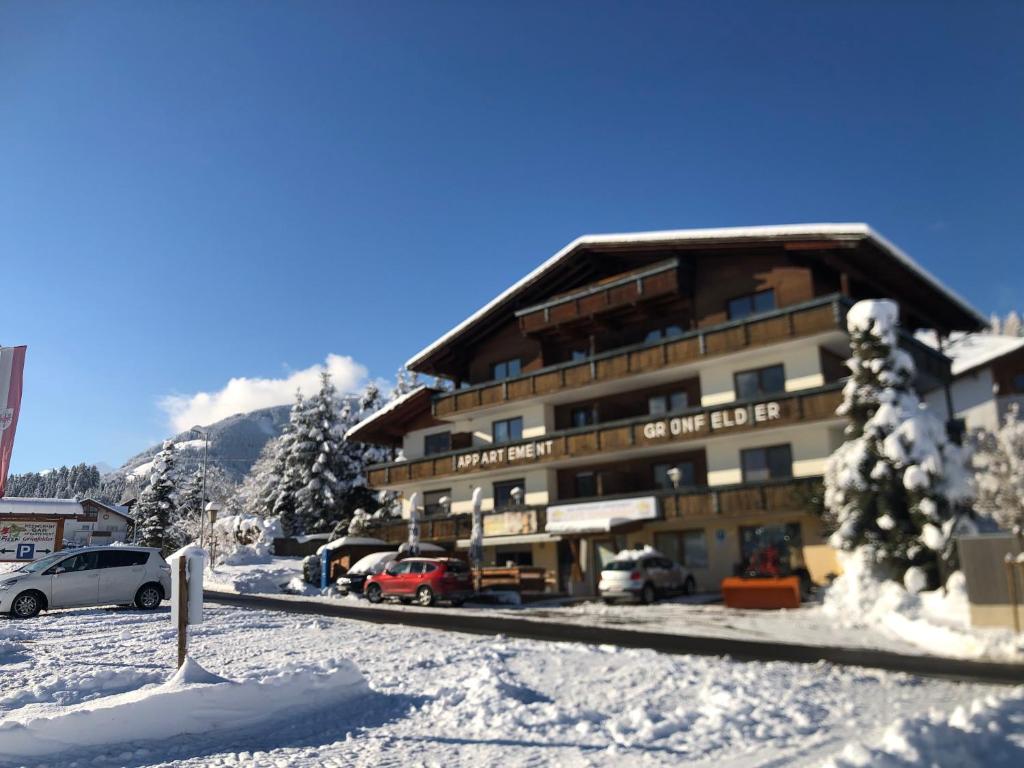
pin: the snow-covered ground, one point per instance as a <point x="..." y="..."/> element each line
<point x="432" y="698"/>
<point x="936" y="627"/>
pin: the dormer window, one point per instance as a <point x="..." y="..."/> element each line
<point x="751" y="304"/>
<point x="506" y="369"/>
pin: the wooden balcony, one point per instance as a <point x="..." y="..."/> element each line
<point x="789" y="496"/>
<point x="823" y="314"/>
<point x="784" y="497"/>
<point x="602" y="439"/>
<point x="446" y="527"/>
<point x="621" y="292"/>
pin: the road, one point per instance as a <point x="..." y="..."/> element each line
<point x="485" y="623"/>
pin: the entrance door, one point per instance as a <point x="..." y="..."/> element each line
<point x="75" y="581"/>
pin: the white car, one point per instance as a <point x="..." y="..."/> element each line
<point x="87" y="576"/>
<point x="643" y="576"/>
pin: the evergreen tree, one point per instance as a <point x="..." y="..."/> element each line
<point x="278" y="493"/>
<point x="312" y="461"/>
<point x="898" y="484"/>
<point x="158" y="502"/>
<point x="999" y="471"/>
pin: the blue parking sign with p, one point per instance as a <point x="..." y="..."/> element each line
<point x="26" y="551"/>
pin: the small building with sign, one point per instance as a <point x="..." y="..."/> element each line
<point x="63" y="522"/>
<point x="676" y="389"/>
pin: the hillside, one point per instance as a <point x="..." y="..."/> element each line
<point x="235" y="443"/>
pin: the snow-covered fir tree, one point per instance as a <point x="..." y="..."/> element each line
<point x="405" y="382"/>
<point x="999" y="472"/>
<point x="313" y="459"/>
<point x="158" y="502"/>
<point x="248" y="497"/>
<point x="278" y="493"/>
<point x="897" y="484"/>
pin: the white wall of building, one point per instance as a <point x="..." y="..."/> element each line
<point x="802" y="365"/>
<point x="811" y="446"/>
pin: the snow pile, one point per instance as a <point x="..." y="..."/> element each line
<point x="192" y="701"/>
<point x="373" y="563"/>
<point x="245" y="539"/>
<point x="10" y="646"/>
<point x="271" y="578"/>
<point x="980" y="735"/>
<point x="635" y="554"/>
<point x="937" y="622"/>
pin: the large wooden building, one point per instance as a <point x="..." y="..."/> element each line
<point x="669" y="388"/>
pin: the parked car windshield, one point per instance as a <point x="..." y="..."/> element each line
<point x="43" y="563"/>
<point x="621" y="565"/>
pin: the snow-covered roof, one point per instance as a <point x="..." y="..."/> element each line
<point x="28" y="506"/>
<point x="974" y="350"/>
<point x="351" y="541"/>
<point x="854" y="231"/>
<point x="393" y="405"/>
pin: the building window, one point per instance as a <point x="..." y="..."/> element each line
<point x="439" y="442"/>
<point x="503" y="493"/>
<point x="751" y="304"/>
<point x="768" y="548"/>
<point x="432" y="501"/>
<point x="689" y="548"/>
<point x="1018" y="382"/>
<point x="667" y="332"/>
<point x="771" y="463"/>
<point x="507" y="430"/>
<point x="583" y="416"/>
<point x="578" y="355"/>
<point x="760" y="382"/>
<point x="506" y="369"/>
<point x="662" y="481"/>
<point x="585" y="484"/>
<point x="661" y="404"/>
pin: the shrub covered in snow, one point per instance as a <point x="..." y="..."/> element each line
<point x="999" y="468"/>
<point x="244" y="539"/>
<point x="898" y="483"/>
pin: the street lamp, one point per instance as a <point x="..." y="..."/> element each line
<point x="674" y="476"/>
<point x="212" y="508"/>
<point x="446" y="505"/>
<point x="517" y="496"/>
<point x="206" y="450"/>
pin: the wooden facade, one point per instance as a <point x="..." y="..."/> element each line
<point x="697" y="423"/>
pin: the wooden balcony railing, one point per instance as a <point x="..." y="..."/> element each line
<point x="817" y="316"/>
<point x="447" y="527"/>
<point x="784" y="497"/>
<point x="645" y="431"/>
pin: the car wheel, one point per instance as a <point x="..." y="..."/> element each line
<point x="647" y="594"/>
<point x="425" y="596"/>
<point x="374" y="594"/>
<point x="26" y="605"/>
<point x="148" y="597"/>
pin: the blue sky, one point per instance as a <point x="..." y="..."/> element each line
<point x="193" y="192"/>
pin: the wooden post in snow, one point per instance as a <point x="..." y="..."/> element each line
<point x="181" y="565"/>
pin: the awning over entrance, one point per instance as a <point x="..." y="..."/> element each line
<point x="600" y="516"/>
<point x="500" y="541"/>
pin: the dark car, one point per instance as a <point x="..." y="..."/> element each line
<point x="353" y="581"/>
<point x="423" y="579"/>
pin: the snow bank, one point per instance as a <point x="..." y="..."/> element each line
<point x="979" y="735"/>
<point x="634" y="554"/>
<point x="192" y="701"/>
<point x="937" y="622"/>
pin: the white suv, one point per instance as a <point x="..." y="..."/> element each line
<point x="87" y="576"/>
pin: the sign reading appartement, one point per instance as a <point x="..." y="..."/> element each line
<point x="508" y="454"/>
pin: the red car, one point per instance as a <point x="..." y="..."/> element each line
<point x="423" y="579"/>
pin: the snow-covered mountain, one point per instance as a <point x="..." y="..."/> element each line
<point x="235" y="443"/>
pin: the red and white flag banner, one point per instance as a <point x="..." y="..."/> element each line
<point x="12" y="369"/>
